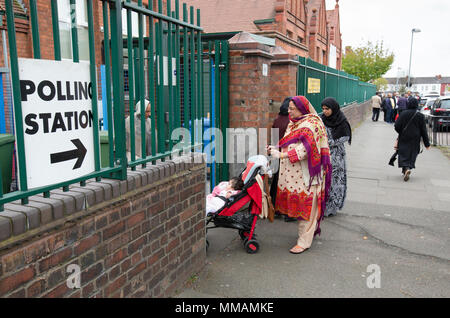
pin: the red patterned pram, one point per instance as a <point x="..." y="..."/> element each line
<point x="242" y="210"/>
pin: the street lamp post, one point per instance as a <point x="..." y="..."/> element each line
<point x="410" y="54"/>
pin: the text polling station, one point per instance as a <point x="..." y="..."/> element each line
<point x="56" y="98"/>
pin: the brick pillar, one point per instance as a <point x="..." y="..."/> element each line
<point x="249" y="91"/>
<point x="283" y="78"/>
<point x="261" y="77"/>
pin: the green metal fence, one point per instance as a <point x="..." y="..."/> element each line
<point x="316" y="82"/>
<point x="164" y="44"/>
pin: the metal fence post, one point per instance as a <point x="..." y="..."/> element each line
<point x="17" y="99"/>
<point x="117" y="71"/>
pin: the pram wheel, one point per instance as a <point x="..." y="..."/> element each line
<point x="243" y="234"/>
<point x="251" y="246"/>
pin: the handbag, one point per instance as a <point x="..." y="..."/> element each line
<point x="393" y="158"/>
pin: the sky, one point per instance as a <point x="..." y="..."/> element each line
<point x="391" y="21"/>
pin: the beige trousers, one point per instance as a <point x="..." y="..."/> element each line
<point x="306" y="229"/>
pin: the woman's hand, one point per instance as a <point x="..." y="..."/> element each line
<point x="272" y="151"/>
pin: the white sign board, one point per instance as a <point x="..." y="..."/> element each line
<point x="166" y="70"/>
<point x="57" y="120"/>
<point x="265" y="70"/>
<point x="332" y="56"/>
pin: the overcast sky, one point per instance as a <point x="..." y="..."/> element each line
<point x="391" y="21"/>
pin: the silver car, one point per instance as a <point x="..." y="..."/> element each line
<point x="425" y="109"/>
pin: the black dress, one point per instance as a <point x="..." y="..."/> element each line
<point x="409" y="140"/>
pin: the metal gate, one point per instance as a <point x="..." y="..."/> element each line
<point x="165" y="43"/>
<point x="216" y="108"/>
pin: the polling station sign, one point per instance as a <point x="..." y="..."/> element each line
<point x="57" y="119"/>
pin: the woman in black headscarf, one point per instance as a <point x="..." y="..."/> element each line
<point x="410" y="126"/>
<point x="281" y="123"/>
<point x="339" y="132"/>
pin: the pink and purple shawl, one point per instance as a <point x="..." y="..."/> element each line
<point x="311" y="132"/>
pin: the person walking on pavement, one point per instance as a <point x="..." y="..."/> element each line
<point x="409" y="95"/>
<point x="402" y="103"/>
<point x="339" y="132"/>
<point x="281" y="123"/>
<point x="389" y="106"/>
<point x="305" y="171"/>
<point x="410" y="127"/>
<point x="376" y="105"/>
<point x="383" y="98"/>
<point x="395" y="112"/>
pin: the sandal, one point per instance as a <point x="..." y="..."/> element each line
<point x="407" y="173"/>
<point x="297" y="249"/>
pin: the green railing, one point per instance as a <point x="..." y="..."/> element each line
<point x="164" y="45"/>
<point x="316" y="82"/>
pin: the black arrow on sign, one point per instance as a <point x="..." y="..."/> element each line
<point x="78" y="154"/>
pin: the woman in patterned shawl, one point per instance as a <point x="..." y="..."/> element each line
<point x="339" y="132"/>
<point x="305" y="171"/>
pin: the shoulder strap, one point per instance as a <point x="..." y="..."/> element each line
<point x="409" y="121"/>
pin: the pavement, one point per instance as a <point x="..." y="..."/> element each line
<point x="391" y="239"/>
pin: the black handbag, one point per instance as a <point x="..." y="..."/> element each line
<point x="393" y="158"/>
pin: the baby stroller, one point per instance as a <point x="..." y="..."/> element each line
<point x="242" y="209"/>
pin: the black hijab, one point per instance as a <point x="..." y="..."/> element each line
<point x="412" y="103"/>
<point x="284" y="107"/>
<point x="338" y="123"/>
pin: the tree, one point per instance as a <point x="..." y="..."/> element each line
<point x="368" y="62"/>
<point x="402" y="89"/>
<point x="381" y="84"/>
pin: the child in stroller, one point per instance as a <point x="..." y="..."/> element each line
<point x="221" y="193"/>
<point x="241" y="210"/>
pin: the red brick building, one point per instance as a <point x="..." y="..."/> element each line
<point x="284" y="21"/>
<point x="302" y="27"/>
<point x="334" y="37"/>
<point x="318" y="33"/>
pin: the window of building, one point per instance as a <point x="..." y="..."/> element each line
<point x="299" y="39"/>
<point x="65" y="29"/>
<point x="289" y="34"/>
<point x="134" y="23"/>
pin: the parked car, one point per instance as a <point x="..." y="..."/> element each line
<point x="423" y="101"/>
<point x="426" y="108"/>
<point x="432" y="94"/>
<point x="440" y="114"/>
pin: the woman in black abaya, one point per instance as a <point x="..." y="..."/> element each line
<point x="410" y="126"/>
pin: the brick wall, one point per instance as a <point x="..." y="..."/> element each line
<point x="142" y="237"/>
<point x="357" y="113"/>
